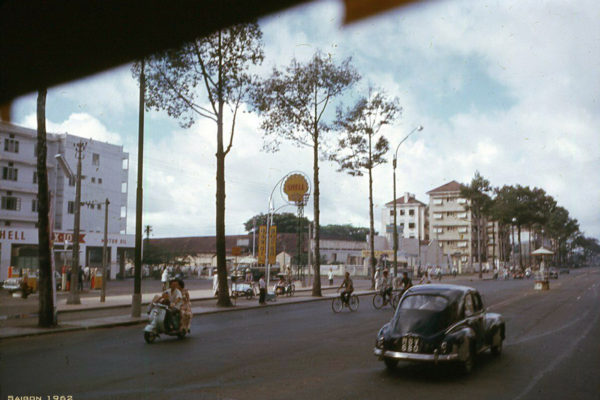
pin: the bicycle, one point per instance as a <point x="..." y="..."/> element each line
<point x="393" y="299"/>
<point x="337" y="304"/>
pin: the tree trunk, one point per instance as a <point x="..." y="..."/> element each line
<point x="479" y="246"/>
<point x="372" y="259"/>
<point x="520" y="247"/>
<point x="316" y="290"/>
<point x="223" y="299"/>
<point x="46" y="300"/>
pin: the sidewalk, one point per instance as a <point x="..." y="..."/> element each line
<point x="119" y="303"/>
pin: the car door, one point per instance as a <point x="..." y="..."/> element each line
<point x="474" y="317"/>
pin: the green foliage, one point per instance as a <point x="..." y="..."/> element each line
<point x="344" y="232"/>
<point x="285" y="222"/>
<point x="218" y="63"/>
<point x="293" y="101"/>
<point x="478" y="196"/>
<point x="361" y="146"/>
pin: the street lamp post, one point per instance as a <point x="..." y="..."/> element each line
<point x="418" y="128"/>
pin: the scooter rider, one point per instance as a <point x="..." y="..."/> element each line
<point x="174" y="297"/>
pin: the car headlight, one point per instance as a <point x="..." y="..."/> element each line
<point x="379" y="342"/>
<point x="444" y="347"/>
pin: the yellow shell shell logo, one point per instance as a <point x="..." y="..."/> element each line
<point x="295" y="187"/>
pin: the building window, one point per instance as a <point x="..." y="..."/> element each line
<point x="6" y="223"/>
<point x="72" y="181"/>
<point x="11" y="203"/>
<point x="11" y="145"/>
<point x="392" y="212"/>
<point x="411" y="212"/>
<point x="462" y="201"/>
<point x="10" y="173"/>
<point x="71" y="207"/>
<point x="437" y="202"/>
<point x="438" y="215"/>
<point x="401" y="212"/>
<point x="411" y="225"/>
<point x="93" y="180"/>
<point x="35" y="205"/>
<point x="99" y="206"/>
<point x="100" y="181"/>
<point x="95" y="159"/>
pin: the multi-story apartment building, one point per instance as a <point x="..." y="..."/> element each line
<point x="412" y="218"/>
<point x="450" y="223"/>
<point x="105" y="172"/>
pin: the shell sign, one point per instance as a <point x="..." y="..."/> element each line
<point x="295" y="187"/>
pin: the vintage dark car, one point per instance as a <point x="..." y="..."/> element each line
<point x="440" y="323"/>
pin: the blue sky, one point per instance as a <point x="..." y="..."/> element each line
<point x="506" y="88"/>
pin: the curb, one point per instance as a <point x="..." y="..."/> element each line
<point x="142" y="320"/>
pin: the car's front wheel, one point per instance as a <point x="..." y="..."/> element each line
<point x="469" y="362"/>
<point x="390" y="363"/>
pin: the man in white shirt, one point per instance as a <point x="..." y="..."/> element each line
<point x="165" y="278"/>
<point x="330" y="276"/>
<point x="215" y="282"/>
<point x="262" y="285"/>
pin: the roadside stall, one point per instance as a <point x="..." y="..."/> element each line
<point x="541" y="277"/>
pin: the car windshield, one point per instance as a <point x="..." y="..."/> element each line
<point x="424" y="302"/>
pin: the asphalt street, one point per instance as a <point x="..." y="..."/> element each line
<point x="305" y="351"/>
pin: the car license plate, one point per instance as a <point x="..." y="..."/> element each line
<point x="411" y="344"/>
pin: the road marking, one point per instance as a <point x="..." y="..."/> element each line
<point x="568" y="351"/>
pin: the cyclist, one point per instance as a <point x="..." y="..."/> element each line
<point x="348" y="288"/>
<point x="386" y="285"/>
<point x="406" y="282"/>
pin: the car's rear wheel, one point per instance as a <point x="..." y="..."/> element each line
<point x="390" y="363"/>
<point x="378" y="301"/>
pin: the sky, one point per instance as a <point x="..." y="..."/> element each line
<point x="508" y="88"/>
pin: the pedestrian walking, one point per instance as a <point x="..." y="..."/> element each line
<point x="80" y="279"/>
<point x="165" y="279"/>
<point x="330" y="276"/>
<point x="215" y="283"/>
<point x="262" y="286"/>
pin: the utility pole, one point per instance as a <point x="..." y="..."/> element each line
<point x="104" y="253"/>
<point x="73" y="297"/>
<point x="310" y="237"/>
<point x="136" y="301"/>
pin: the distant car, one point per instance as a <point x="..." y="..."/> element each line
<point x="440" y="323"/>
<point x="12" y="284"/>
<point x="553" y="273"/>
<point x="564" y="271"/>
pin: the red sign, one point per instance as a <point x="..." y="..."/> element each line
<point x="60" y="237"/>
<point x="12" y="235"/>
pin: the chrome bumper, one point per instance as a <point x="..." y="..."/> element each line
<point x="435" y="357"/>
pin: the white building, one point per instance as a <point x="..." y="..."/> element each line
<point x="105" y="170"/>
<point x="411" y="219"/>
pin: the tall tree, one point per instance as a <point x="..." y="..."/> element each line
<point x="46" y="302"/>
<point x="479" y="204"/>
<point x="293" y="103"/>
<point x="219" y="64"/>
<point x="362" y="146"/>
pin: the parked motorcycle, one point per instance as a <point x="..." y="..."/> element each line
<point x="156" y="323"/>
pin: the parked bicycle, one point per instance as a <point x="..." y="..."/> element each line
<point x="337" y="304"/>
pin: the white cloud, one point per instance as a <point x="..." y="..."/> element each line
<point x="78" y="124"/>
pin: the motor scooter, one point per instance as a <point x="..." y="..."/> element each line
<point x="156" y="323"/>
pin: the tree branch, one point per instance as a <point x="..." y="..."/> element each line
<point x="198" y="109"/>
<point x="207" y="78"/>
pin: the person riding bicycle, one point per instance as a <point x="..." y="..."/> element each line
<point x="348" y="288"/>
<point x="386" y="285"/>
<point x="406" y="282"/>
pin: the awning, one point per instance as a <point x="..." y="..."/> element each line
<point x="542" y="251"/>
